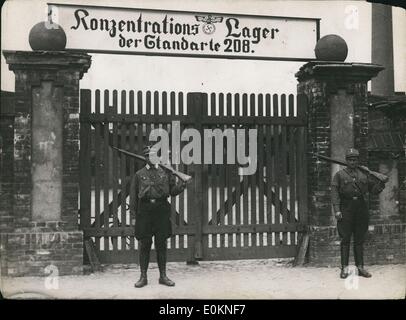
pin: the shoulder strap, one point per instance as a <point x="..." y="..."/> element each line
<point x="354" y="177"/>
<point x="348" y="173"/>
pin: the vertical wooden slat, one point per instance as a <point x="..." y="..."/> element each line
<point x="97" y="101"/>
<point x="277" y="165"/>
<point x="229" y="207"/>
<point x="238" y="179"/>
<point x="176" y="166"/>
<point x="196" y="106"/>
<point x="148" y="110"/>
<point x="205" y="209"/>
<point x="106" y="169"/>
<point x="299" y="169"/>
<point x="123" y="168"/>
<point x="229" y="98"/>
<point x="213" y="104"/>
<point x="156" y="103"/>
<point x="205" y="193"/>
<point x="98" y="171"/>
<point x="106" y="101"/>
<point x="139" y="105"/>
<point x="140" y="131"/>
<point x="191" y="217"/>
<point x="237" y="105"/>
<point x="115" y="172"/>
<point x="182" y="168"/>
<point x="202" y="112"/>
<point x="213" y="175"/>
<point x="245" y="178"/>
<point x="268" y="156"/>
<point x="291" y="106"/>
<point x="175" y="222"/>
<point x="292" y="177"/>
<point x="253" y="183"/>
<point x="164" y="108"/>
<point x="252" y="105"/>
<point x="269" y="180"/>
<point x="268" y="105"/>
<point x="115" y="184"/>
<point x="260" y="167"/>
<point x="189" y="196"/>
<point x="221" y="185"/>
<point x="140" y="128"/>
<point x="131" y="161"/>
<point x="131" y="101"/>
<point x="283" y="173"/>
<point x="115" y="102"/>
<point x="85" y="163"/>
<point x="229" y="180"/>
<point x="114" y="164"/>
<point x="172" y="102"/>
<point x="292" y="170"/>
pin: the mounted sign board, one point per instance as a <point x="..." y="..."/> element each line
<point x="186" y="34"/>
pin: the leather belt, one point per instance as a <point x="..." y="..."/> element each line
<point x="153" y="200"/>
<point x="353" y="198"/>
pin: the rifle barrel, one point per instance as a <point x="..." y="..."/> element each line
<point x="377" y="175"/>
<point x="180" y="175"/>
<point x="134" y="155"/>
<point x="330" y="159"/>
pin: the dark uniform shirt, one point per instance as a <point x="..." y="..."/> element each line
<point x="152" y="182"/>
<point x="353" y="184"/>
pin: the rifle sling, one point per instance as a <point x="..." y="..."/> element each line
<point x="355" y="181"/>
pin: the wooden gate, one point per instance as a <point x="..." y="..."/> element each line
<point x="221" y="215"/>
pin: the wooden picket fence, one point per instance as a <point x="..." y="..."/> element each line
<point x="221" y="214"/>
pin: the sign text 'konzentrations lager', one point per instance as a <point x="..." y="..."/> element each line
<point x="179" y="33"/>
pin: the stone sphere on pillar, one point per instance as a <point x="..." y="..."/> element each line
<point x="47" y="36"/>
<point x="331" y="48"/>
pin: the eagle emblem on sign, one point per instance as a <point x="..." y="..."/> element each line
<point x="208" y="27"/>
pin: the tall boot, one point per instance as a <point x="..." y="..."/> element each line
<point x="345" y="254"/>
<point x="161" y="259"/>
<point x="145" y="249"/>
<point x="359" y="260"/>
<point x="358" y="254"/>
<point x="143" y="281"/>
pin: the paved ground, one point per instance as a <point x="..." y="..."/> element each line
<point x="244" y="279"/>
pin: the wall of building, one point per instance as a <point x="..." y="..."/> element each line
<point x="6" y="161"/>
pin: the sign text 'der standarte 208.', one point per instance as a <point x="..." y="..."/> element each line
<point x="178" y="33"/>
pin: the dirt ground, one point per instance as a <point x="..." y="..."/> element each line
<point x="243" y="279"/>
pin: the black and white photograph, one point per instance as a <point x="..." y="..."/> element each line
<point x="203" y="151"/>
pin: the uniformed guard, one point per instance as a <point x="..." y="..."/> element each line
<point x="350" y="197"/>
<point x="150" y="188"/>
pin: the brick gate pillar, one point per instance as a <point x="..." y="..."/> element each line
<point x="46" y="161"/>
<point x="338" y="119"/>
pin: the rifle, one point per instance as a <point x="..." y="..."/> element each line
<point x="182" y="176"/>
<point x="381" y="177"/>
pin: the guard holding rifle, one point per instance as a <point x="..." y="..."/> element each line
<point x="150" y="188"/>
<point x="349" y="193"/>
